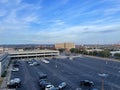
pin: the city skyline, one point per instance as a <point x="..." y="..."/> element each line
<point x="56" y="21"/>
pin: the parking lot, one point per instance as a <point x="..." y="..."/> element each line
<point x="71" y="72"/>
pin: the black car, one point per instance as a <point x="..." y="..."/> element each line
<point x="16" y="65"/>
<point x="14" y="83"/>
<point x="86" y="83"/>
<point x="42" y="75"/>
<point x="15" y="62"/>
<point x="43" y="83"/>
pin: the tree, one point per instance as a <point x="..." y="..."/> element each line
<point x="105" y="53"/>
<point x="74" y="50"/>
<point x="94" y="53"/>
<point x="117" y="54"/>
<point x="61" y="50"/>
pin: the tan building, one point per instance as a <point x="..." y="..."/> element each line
<point x="59" y="45"/>
<point x="1" y="49"/>
<point x="66" y="46"/>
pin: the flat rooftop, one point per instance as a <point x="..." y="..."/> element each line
<point x="33" y="51"/>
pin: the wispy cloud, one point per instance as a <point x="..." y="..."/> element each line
<point x="59" y="21"/>
<point x="108" y="31"/>
<point x="76" y="33"/>
<point x="18" y="17"/>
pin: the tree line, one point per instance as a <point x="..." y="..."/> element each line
<point x="104" y="53"/>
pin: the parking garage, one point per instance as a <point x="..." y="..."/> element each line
<point x="33" y="54"/>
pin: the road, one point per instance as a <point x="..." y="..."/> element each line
<point x="70" y="71"/>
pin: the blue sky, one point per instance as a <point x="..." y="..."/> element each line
<point x="56" y="21"/>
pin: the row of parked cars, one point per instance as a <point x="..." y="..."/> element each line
<point x="46" y="85"/>
<point x="43" y="81"/>
<point x="15" y="82"/>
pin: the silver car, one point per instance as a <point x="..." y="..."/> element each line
<point x="62" y="85"/>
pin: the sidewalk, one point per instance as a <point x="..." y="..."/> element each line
<point x="6" y="79"/>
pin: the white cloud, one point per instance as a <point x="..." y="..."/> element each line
<point x="12" y="20"/>
<point x="31" y="18"/>
<point x="8" y="2"/>
<point x="58" y="22"/>
<point x="18" y="16"/>
<point x="77" y="34"/>
<point x="111" y="11"/>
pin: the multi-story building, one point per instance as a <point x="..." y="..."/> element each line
<point x="1" y="49"/>
<point x="66" y="46"/>
<point x="4" y="61"/>
<point x="59" y="46"/>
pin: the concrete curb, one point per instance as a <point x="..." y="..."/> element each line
<point x="109" y="59"/>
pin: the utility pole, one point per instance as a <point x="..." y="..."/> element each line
<point x="102" y="84"/>
<point x="103" y="76"/>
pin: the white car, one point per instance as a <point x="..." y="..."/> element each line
<point x="15" y="69"/>
<point x="31" y="64"/>
<point x="34" y="63"/>
<point x="17" y="80"/>
<point x="49" y="87"/>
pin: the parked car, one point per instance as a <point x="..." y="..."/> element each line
<point x="49" y="87"/>
<point x="14" y="83"/>
<point x="16" y="65"/>
<point x="43" y="83"/>
<point x="29" y="62"/>
<point x="42" y="76"/>
<point x="62" y="85"/>
<point x="54" y="88"/>
<point x="35" y="63"/>
<point x="16" y="62"/>
<point x="15" y="69"/>
<point x="86" y="83"/>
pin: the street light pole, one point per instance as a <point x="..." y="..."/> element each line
<point x="103" y="76"/>
<point x="102" y="84"/>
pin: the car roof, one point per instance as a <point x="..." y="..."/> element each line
<point x="63" y="83"/>
<point x="49" y="86"/>
<point x="16" y="79"/>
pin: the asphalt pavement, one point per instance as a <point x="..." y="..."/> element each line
<point x="71" y="72"/>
